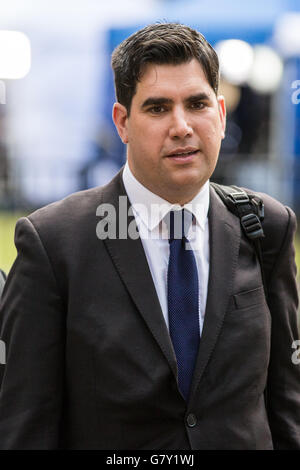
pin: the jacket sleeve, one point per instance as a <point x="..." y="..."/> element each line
<point x="32" y="328"/>
<point x="283" y="389"/>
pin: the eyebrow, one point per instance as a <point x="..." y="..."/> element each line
<point x="156" y="101"/>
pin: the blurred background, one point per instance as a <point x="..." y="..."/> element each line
<point x="56" y="95"/>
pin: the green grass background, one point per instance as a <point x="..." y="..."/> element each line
<point x="8" y="251"/>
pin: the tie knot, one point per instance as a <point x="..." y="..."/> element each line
<point x="178" y="223"/>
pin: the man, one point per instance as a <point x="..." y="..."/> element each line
<point x="140" y="339"/>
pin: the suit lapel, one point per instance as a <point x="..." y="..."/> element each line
<point x="130" y="261"/>
<point x="224" y="236"/>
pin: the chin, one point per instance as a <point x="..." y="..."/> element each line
<point x="190" y="179"/>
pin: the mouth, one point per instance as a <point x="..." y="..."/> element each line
<point x="183" y="156"/>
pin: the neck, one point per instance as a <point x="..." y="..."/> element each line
<point x="179" y="197"/>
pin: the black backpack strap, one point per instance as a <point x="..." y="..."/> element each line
<point x="250" y="210"/>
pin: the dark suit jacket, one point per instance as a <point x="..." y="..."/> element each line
<point x="90" y="364"/>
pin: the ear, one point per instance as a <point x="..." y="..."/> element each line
<point x="120" y="118"/>
<point x="222" y="113"/>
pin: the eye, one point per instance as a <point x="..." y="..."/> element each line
<point x="157" y="109"/>
<point x="198" y="105"/>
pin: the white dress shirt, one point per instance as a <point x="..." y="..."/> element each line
<point x="149" y="210"/>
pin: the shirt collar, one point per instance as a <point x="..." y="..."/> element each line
<point x="151" y="208"/>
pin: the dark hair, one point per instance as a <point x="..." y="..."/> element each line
<point x="166" y="43"/>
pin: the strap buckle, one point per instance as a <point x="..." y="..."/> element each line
<point x="239" y="197"/>
<point x="252" y="226"/>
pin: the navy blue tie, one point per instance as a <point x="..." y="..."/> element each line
<point x="183" y="299"/>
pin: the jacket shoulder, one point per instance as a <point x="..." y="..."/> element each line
<point x="68" y="209"/>
<point x="279" y="220"/>
<point x="279" y="225"/>
<point x="77" y="209"/>
<point x="277" y="216"/>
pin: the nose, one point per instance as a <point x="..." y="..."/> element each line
<point x="180" y="127"/>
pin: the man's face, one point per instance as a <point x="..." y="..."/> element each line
<point x="174" y="130"/>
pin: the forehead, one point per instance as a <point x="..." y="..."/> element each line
<point x="168" y="79"/>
